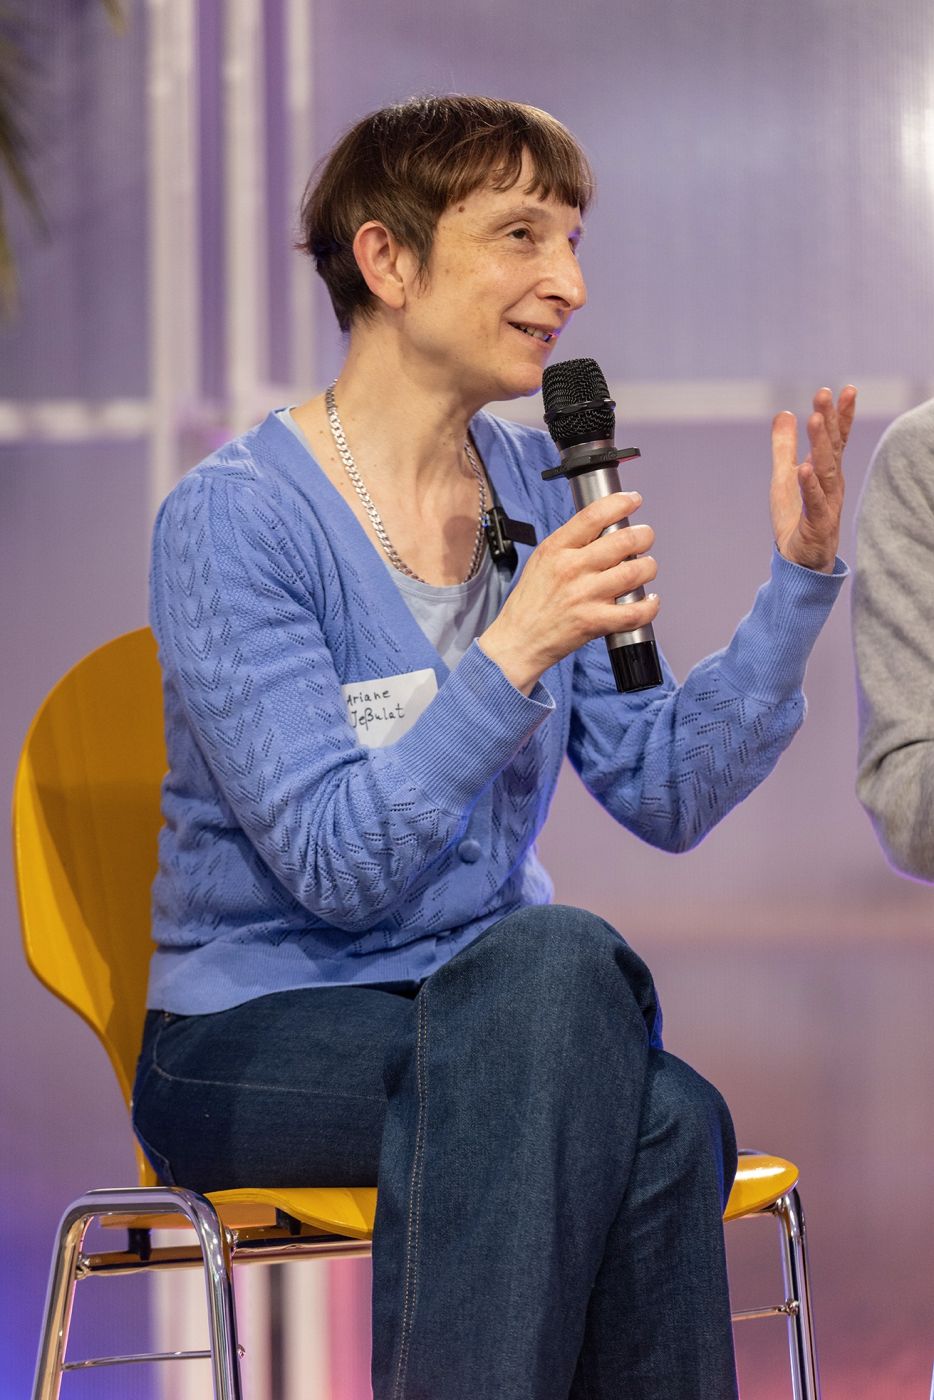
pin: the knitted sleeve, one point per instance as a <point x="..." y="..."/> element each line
<point x="347" y="830"/>
<point x="670" y="763"/>
<point x="893" y="634"/>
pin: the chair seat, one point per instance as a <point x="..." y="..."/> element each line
<point x="761" y="1180"/>
<point x="331" y="1210"/>
<point x="337" y="1210"/>
<point x="350" y="1210"/>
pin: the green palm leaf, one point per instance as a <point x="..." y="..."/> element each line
<point x="117" y="16"/>
<point x="16" y="146"/>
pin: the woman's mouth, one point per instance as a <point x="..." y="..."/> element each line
<point x="535" y="332"/>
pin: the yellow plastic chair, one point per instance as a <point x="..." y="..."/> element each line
<point x="85" y="822"/>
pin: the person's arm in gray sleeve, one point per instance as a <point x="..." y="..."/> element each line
<point x="893" y="630"/>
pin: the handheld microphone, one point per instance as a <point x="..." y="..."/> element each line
<point x="579" y="414"/>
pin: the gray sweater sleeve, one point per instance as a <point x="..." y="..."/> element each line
<point x="893" y="629"/>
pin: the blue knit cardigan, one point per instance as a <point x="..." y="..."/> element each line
<point x="291" y="856"/>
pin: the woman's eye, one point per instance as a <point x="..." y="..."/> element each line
<point x="519" y="233"/>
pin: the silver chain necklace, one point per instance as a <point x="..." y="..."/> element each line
<point x="356" y="480"/>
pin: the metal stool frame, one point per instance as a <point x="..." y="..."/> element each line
<point x="216" y="1248"/>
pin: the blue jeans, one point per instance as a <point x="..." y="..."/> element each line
<point x="551" y="1181"/>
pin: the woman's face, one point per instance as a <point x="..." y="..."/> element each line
<point x="503" y="281"/>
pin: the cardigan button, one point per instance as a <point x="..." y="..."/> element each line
<point x="469" y="850"/>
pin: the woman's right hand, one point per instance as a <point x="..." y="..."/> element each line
<point x="567" y="593"/>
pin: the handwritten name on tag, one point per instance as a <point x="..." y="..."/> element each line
<point x="382" y="710"/>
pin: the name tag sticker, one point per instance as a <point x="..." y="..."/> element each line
<point x="382" y="710"/>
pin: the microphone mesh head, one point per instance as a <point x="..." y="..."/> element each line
<point x="577" y="401"/>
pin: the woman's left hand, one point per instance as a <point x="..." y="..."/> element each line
<point x="806" y="498"/>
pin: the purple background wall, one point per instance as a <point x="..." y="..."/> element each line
<point x="765" y="214"/>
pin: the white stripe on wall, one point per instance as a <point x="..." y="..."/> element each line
<point x="675" y="401"/>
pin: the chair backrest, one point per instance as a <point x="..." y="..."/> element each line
<point x="85" y="824"/>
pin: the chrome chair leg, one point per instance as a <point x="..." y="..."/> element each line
<point x="66" y="1266"/>
<point x="222" y="1313"/>
<point x="805" y="1379"/>
<point x="59" y="1299"/>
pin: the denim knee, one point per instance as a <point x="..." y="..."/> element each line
<point x="562" y="931"/>
<point x="558" y="955"/>
<point x="693" y="1114"/>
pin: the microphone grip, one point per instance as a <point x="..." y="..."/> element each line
<point x="633" y="655"/>
<point x="636" y="666"/>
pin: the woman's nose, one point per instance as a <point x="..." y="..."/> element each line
<point x="567" y="280"/>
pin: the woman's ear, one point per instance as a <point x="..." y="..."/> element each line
<point x="385" y="266"/>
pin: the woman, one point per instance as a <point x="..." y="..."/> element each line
<point x="358" y="975"/>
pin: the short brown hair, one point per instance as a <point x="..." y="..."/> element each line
<point x="404" y="165"/>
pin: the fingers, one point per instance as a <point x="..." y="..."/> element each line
<point x="593" y="575"/>
<point x="628" y="576"/>
<point x="813" y="496"/>
<point x="828" y="428"/>
<point x="814" y="542"/>
<point x="606" y="568"/>
<point x="806" y="497"/>
<point x="825" y="409"/>
<point x="587" y="524"/>
<point x="846" y="410"/>
<point x="567" y="592"/>
<point x="824" y="437"/>
<point x="608" y="550"/>
<point x="838" y="417"/>
<point x="626" y="617"/>
<point x="837" y="420"/>
<point x="784" y="442"/>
